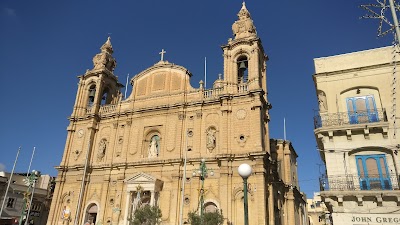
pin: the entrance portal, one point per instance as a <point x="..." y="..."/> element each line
<point x="91" y="213"/>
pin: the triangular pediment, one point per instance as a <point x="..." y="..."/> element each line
<point x="141" y="178"/>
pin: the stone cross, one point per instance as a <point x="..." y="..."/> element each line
<point x="162" y="54"/>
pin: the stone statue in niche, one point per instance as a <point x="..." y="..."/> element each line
<point x="154" y="147"/>
<point x="323" y="106"/>
<point x="211" y="139"/>
<point x="101" y="152"/>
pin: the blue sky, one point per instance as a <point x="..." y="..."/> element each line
<point x="46" y="44"/>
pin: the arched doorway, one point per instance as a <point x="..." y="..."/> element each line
<point x="91" y="213"/>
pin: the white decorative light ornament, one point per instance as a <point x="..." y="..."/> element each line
<point x="244" y="170"/>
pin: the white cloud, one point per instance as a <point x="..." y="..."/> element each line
<point x="9" y="12"/>
<point x="2" y="167"/>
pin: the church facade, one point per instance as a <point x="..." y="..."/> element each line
<point x="146" y="147"/>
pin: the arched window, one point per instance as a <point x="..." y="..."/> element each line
<point x="92" y="94"/>
<point x="373" y="172"/>
<point x="362" y="109"/>
<point x="242" y="69"/>
<point x="105" y="98"/>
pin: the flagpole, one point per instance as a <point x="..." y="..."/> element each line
<point x="80" y="197"/>
<point x="205" y="72"/>
<point x="30" y="163"/>
<point x="126" y="86"/>
<point x="284" y="128"/>
<point x="9" y="182"/>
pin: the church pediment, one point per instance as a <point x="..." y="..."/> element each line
<point x="163" y="78"/>
<point x="144" y="180"/>
<point x="141" y="178"/>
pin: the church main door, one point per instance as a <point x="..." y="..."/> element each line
<point x="91" y="214"/>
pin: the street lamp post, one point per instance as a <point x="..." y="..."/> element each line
<point x="31" y="181"/>
<point x="245" y="172"/>
<point x="203" y="173"/>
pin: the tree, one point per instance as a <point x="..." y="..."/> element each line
<point x="147" y="215"/>
<point x="209" y="218"/>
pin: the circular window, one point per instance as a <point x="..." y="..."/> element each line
<point x="187" y="200"/>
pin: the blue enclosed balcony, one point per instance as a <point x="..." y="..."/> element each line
<point x="327" y="120"/>
<point x="351" y="182"/>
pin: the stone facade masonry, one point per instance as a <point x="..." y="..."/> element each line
<point x="117" y="148"/>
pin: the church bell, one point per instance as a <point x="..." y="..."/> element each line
<point x="242" y="66"/>
<point x="92" y="93"/>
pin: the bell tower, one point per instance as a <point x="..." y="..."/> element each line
<point x="98" y="86"/>
<point x="244" y="57"/>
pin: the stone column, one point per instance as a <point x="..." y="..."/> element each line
<point x="151" y="198"/>
<point x="271" y="206"/>
<point x="290" y="207"/>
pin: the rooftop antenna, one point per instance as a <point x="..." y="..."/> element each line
<point x="205" y="72"/>
<point x="126" y="86"/>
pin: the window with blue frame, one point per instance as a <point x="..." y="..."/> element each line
<point x="373" y="172"/>
<point x="362" y="109"/>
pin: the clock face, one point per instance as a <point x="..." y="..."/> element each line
<point x="80" y="133"/>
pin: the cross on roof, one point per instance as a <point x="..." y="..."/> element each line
<point x="162" y="54"/>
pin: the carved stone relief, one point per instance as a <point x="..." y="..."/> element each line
<point x="241" y="139"/>
<point x="76" y="154"/>
<point x="241" y="114"/>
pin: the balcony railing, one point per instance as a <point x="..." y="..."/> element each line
<point x="212" y="93"/>
<point x="346" y="118"/>
<point x="90" y="109"/>
<point x="104" y="109"/>
<point x="357" y="183"/>
<point x="242" y="88"/>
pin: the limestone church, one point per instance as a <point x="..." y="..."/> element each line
<point x="144" y="148"/>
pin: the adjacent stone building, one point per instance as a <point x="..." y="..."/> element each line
<point x="358" y="136"/>
<point x="318" y="213"/>
<point x="145" y="148"/>
<point x="14" y="204"/>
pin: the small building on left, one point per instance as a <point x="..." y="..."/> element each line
<point x="17" y="200"/>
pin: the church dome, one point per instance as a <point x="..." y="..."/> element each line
<point x="163" y="78"/>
